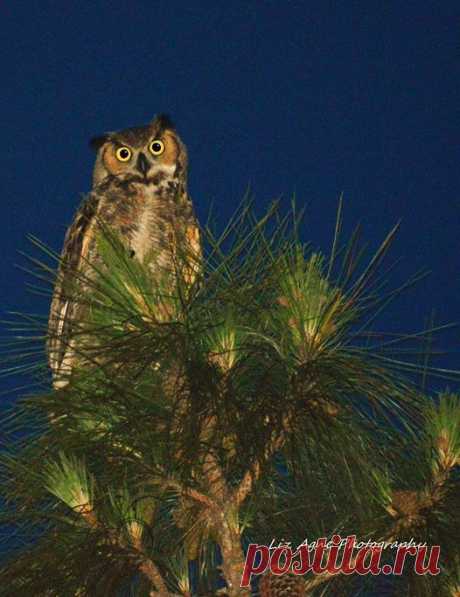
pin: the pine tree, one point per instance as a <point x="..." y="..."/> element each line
<point x="253" y="404"/>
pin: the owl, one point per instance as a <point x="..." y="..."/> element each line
<point x="139" y="191"/>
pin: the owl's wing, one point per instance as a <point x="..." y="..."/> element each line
<point x="63" y="305"/>
<point x="195" y="250"/>
<point x="192" y="240"/>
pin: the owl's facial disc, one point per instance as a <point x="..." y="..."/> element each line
<point x="138" y="153"/>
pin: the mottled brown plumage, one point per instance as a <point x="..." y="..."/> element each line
<point x="139" y="191"/>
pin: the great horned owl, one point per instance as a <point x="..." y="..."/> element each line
<point x="140" y="192"/>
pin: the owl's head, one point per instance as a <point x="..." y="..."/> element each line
<point x="136" y="154"/>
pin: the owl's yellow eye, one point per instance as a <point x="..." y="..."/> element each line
<point x="123" y="154"/>
<point x="157" y="147"/>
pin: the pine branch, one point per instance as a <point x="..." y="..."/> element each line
<point x="217" y="395"/>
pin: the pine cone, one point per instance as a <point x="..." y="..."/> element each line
<point x="286" y="585"/>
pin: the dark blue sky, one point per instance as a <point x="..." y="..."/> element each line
<point x="316" y="98"/>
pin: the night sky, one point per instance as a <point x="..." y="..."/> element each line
<point x="311" y="98"/>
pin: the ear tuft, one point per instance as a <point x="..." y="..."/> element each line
<point x="97" y="142"/>
<point x="164" y="121"/>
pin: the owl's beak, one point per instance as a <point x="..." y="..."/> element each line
<point x="142" y="164"/>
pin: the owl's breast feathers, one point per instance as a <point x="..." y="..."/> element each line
<point x="155" y="219"/>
